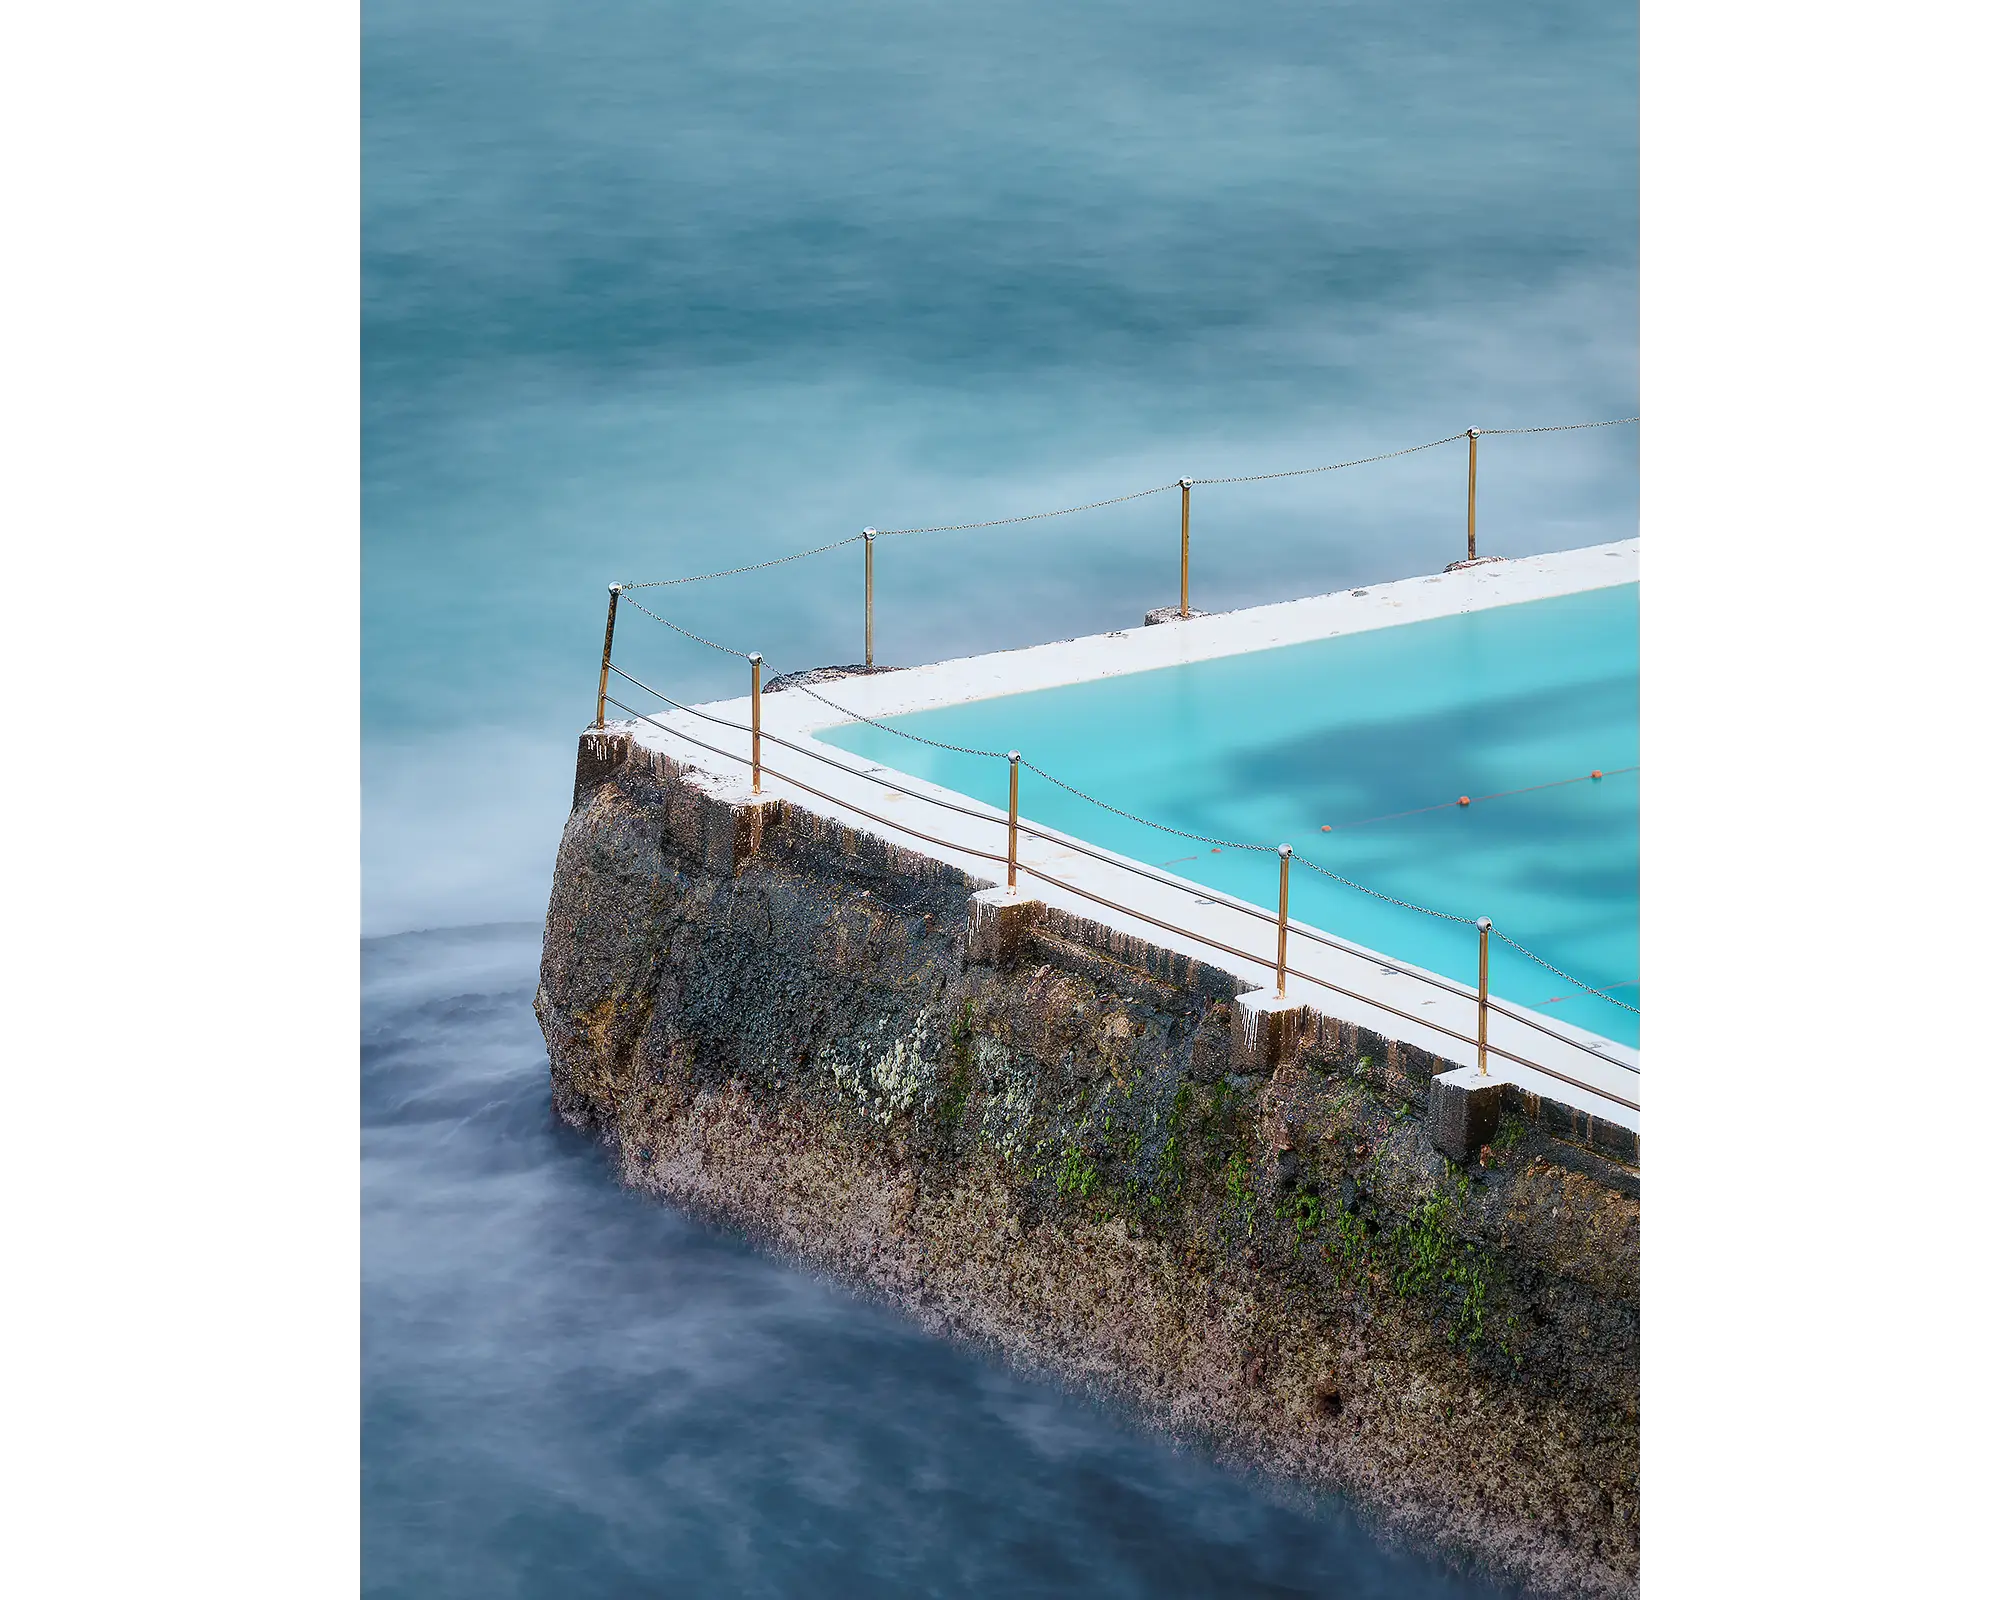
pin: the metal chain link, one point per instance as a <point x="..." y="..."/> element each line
<point x="901" y="733"/>
<point x="1300" y="472"/>
<point x="1179" y="833"/>
<point x="1129" y="816"/>
<point x="1094" y="505"/>
<point x="996" y="755"/>
<point x="1034" y="516"/>
<point x="1001" y="755"/>
<point x="1161" y="827"/>
<point x="1565" y="427"/>
<point x="1442" y="916"/>
<point x="741" y="655"/>
<point x="756" y="566"/>
<point x="1566" y="978"/>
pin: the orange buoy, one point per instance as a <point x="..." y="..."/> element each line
<point x="1465" y="799"/>
<point x="1595" y="773"/>
<point x="1326" y="827"/>
<point x="1216" y="850"/>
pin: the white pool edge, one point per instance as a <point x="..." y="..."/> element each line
<point x="799" y="717"/>
<point x="1142" y="649"/>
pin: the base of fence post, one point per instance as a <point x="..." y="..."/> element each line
<point x="1001" y="924"/>
<point x="1266" y="1029"/>
<point x="1171" y="614"/>
<point x="736" y="827"/>
<point x="598" y="755"/>
<point x="1464" y="1112"/>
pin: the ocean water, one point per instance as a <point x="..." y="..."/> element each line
<point x="571" y="1391"/>
<point x="651" y="288"/>
<point x="655" y="288"/>
<point x="1372" y="737"/>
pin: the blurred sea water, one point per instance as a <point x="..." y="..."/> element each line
<point x="652" y="289"/>
<point x="655" y="288"/>
<point x="570" y="1391"/>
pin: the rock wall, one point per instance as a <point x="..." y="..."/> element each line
<point x="1054" y="1140"/>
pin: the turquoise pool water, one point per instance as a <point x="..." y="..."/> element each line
<point x="1373" y="736"/>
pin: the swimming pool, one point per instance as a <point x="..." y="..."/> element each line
<point x="1354" y="750"/>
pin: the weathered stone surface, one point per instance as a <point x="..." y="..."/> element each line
<point x="1001" y="925"/>
<point x="1464" y="1112"/>
<point x="1268" y="1031"/>
<point x="598" y="756"/>
<point x="1060" y="1157"/>
<point x="1162" y="614"/>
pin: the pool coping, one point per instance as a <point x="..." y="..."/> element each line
<point x="799" y="717"/>
<point x="899" y="691"/>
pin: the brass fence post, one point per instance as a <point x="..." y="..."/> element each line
<point x="1187" y="485"/>
<point x="1485" y="927"/>
<point x="604" y="667"/>
<point x="868" y="546"/>
<point x="1471" y="494"/>
<point x="1284" y="909"/>
<point x="1013" y="809"/>
<point x="756" y="722"/>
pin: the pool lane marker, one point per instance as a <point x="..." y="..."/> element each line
<point x="1595" y="774"/>
<point x="1478" y="799"/>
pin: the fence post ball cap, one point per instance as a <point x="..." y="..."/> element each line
<point x="1013" y="755"/>
<point x="617" y="588"/>
<point x="1473" y="433"/>
<point x="867" y="533"/>
<point x="1485" y="924"/>
<point x="1285" y="850"/>
<point x="756" y="658"/>
<point x="1187" y="483"/>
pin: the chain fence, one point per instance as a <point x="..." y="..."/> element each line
<point x="1302" y="472"/>
<point x="685" y="633"/>
<point x="1032" y="516"/>
<point x="1104" y="805"/>
<point x="1120" y="499"/>
<point x="1561" y="427"/>
<point x="1216" y="897"/>
<point x="755" y="566"/>
<point x="624" y="595"/>
<point x="1566" y="978"/>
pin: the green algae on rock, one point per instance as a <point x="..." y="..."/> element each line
<point x="1055" y="1139"/>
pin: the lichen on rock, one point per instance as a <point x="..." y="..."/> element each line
<point x="1073" y="1160"/>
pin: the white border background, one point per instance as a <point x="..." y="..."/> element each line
<point x="180" y="511"/>
<point x="1816" y="339"/>
<point x="182" y="888"/>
